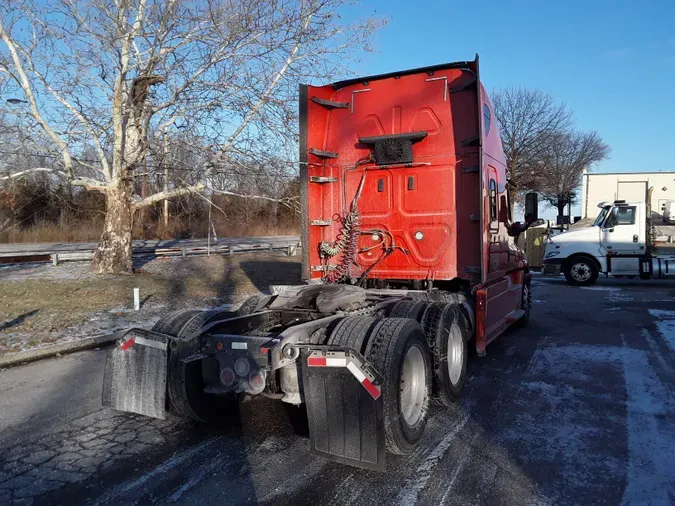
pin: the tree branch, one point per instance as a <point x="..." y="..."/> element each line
<point x="177" y="192"/>
<point x="28" y="91"/>
<point x="90" y="184"/>
<point x="254" y="110"/>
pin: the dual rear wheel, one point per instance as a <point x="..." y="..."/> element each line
<point x="421" y="350"/>
<point x="448" y="330"/>
<point x="185" y="381"/>
<point x="398" y="349"/>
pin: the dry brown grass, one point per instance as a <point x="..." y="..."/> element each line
<point x="46" y="232"/>
<point x="53" y="232"/>
<point x="42" y="306"/>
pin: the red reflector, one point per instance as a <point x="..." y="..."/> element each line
<point x="256" y="379"/>
<point x="127" y="344"/>
<point x="219" y="346"/>
<point x="316" y="362"/>
<point x="264" y="351"/>
<point x="227" y="376"/>
<point x="372" y="389"/>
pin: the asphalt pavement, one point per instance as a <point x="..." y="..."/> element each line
<point x="578" y="408"/>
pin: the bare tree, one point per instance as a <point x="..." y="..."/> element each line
<point x="565" y="158"/>
<point x="528" y="120"/>
<point x="113" y="77"/>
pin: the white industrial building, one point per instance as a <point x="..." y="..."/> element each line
<point x="628" y="186"/>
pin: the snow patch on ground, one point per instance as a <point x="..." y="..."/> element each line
<point x="665" y="322"/>
<point x="568" y="402"/>
<point x="601" y="288"/>
<point x="408" y="496"/>
<point x="45" y="271"/>
<point x="615" y="293"/>
<point x="106" y="322"/>
<point x="650" y="443"/>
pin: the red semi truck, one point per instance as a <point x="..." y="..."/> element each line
<point x="408" y="259"/>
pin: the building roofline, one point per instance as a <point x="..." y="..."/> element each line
<point x="624" y="173"/>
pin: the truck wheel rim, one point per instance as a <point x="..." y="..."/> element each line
<point x="581" y="272"/>
<point x="413" y="387"/>
<point x="455" y="355"/>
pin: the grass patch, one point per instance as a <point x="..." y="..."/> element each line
<point x="43" y="306"/>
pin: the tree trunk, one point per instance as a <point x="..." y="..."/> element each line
<point x="113" y="254"/>
<point x="561" y="207"/>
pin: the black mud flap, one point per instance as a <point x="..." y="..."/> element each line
<point x="346" y="421"/>
<point x="135" y="374"/>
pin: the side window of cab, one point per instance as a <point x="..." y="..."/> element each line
<point x="487" y="119"/>
<point x="624" y="215"/>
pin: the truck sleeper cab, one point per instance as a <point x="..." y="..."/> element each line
<point x="408" y="260"/>
<point x="622" y="242"/>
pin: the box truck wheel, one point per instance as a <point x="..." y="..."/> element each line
<point x="580" y="271"/>
<point x="398" y="350"/>
<point x="447" y="331"/>
<point x="185" y="384"/>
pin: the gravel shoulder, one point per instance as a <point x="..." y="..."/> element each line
<point x="41" y="305"/>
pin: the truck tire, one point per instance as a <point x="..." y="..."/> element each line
<point x="398" y="350"/>
<point x="413" y="309"/>
<point x="465" y="304"/>
<point x="253" y="304"/>
<point x="460" y="299"/>
<point x="447" y="331"/>
<point x="580" y="271"/>
<point x="526" y="304"/>
<point x="185" y="385"/>
<point x="352" y="332"/>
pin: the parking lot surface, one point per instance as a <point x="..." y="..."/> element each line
<point x="578" y="408"/>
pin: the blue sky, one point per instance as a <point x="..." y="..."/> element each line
<point x="611" y="61"/>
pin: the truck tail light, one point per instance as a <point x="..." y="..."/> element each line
<point x="227" y="376"/>
<point x="242" y="367"/>
<point x="256" y="381"/>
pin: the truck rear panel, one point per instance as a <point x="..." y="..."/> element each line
<point x="427" y="201"/>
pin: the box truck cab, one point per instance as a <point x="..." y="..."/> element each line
<point x="622" y="242"/>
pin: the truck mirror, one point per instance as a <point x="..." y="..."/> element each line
<point x="532" y="206"/>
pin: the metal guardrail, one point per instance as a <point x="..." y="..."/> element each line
<point x="290" y="247"/>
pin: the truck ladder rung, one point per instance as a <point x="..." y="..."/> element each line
<point x="321" y="223"/>
<point x="323" y="154"/>
<point x="330" y="104"/>
<point x="322" y="179"/>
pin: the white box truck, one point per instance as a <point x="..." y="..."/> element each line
<point x="623" y="241"/>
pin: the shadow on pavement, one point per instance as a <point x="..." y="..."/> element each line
<point x="17" y="321"/>
<point x="110" y="457"/>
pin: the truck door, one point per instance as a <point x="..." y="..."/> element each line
<point x="622" y="233"/>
